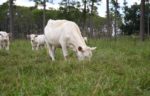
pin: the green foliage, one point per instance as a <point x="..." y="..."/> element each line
<point x="70" y="13"/>
<point x="3" y="10"/>
<point x="38" y="15"/>
<point x="118" y="68"/>
<point x="115" y="13"/>
<point x="98" y="21"/>
<point x="23" y="18"/>
<point x="29" y="19"/>
<point x="70" y="10"/>
<point x="4" y="16"/>
<point x="114" y="5"/>
<point x="132" y="19"/>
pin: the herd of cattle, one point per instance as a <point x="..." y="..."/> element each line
<point x="57" y="34"/>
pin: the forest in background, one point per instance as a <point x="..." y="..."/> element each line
<point x="28" y="20"/>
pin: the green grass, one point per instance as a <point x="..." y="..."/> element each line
<point x="117" y="68"/>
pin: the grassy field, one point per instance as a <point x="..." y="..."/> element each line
<point x="117" y="68"/>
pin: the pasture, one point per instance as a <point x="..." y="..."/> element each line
<point x="117" y="68"/>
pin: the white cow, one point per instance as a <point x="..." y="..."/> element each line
<point x="37" y="41"/>
<point x="66" y="34"/>
<point x="4" y="40"/>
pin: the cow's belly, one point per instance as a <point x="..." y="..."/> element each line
<point x="55" y="36"/>
<point x="53" y="41"/>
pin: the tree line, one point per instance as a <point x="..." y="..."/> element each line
<point x="20" y="20"/>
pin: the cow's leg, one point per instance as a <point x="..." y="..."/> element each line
<point x="51" y="51"/>
<point x="64" y="49"/>
<point x="0" y="45"/>
<point x="7" y="45"/>
<point x="37" y="46"/>
<point x="40" y="47"/>
<point x="33" y="46"/>
<point x="3" y="44"/>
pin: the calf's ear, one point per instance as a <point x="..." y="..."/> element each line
<point x="10" y="34"/>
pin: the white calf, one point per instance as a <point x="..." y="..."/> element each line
<point x="4" y="40"/>
<point x="37" y="41"/>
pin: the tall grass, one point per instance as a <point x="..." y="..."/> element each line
<point x="118" y="68"/>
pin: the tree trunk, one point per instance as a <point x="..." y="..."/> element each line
<point x="44" y="8"/>
<point x="108" y="20"/>
<point x="84" y="14"/>
<point x="148" y="20"/>
<point x="68" y="5"/>
<point x="142" y="22"/>
<point x="91" y="20"/>
<point x="148" y="25"/>
<point x="11" y="25"/>
<point x="115" y="23"/>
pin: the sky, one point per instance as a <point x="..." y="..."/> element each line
<point x="101" y="7"/>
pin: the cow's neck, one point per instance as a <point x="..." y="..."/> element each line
<point x="79" y="42"/>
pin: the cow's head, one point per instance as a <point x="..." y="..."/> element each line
<point x="85" y="53"/>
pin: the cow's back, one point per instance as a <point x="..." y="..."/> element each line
<point x="41" y="39"/>
<point x="62" y="30"/>
<point x="3" y="33"/>
<point x="55" y="29"/>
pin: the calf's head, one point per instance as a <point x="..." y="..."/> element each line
<point x="32" y="37"/>
<point x="5" y="37"/>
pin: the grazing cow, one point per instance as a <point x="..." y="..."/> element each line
<point x="66" y="34"/>
<point x="37" y="41"/>
<point x="4" y="40"/>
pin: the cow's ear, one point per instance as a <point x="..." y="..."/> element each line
<point x="92" y="48"/>
<point x="80" y="48"/>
